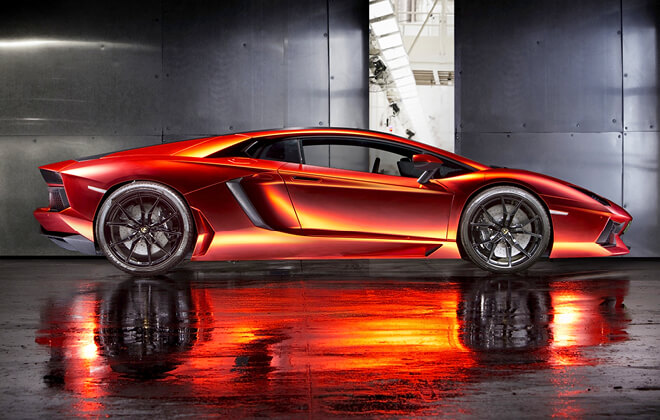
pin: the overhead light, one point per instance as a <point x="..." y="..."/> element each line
<point x="400" y="73"/>
<point x="408" y="92"/>
<point x="406" y="80"/>
<point x="407" y="88"/>
<point x="385" y="27"/>
<point x="390" y="41"/>
<point x="393" y="53"/>
<point x="379" y="9"/>
<point x="398" y="62"/>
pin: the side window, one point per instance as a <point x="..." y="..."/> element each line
<point x="391" y="163"/>
<point x="450" y="169"/>
<point x="316" y="154"/>
<point x="283" y="151"/>
<point x="356" y="155"/>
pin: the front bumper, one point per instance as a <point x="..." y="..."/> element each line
<point x="587" y="233"/>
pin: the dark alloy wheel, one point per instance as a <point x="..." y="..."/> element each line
<point x="504" y="229"/>
<point x="144" y="228"/>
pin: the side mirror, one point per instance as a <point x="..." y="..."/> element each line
<point x="424" y="158"/>
<point x="427" y="163"/>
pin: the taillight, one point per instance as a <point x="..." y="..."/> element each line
<point x="51" y="177"/>
<point x="56" y="193"/>
<point x="57" y="198"/>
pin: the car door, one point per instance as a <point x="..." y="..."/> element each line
<point x="346" y="202"/>
<point x="260" y="189"/>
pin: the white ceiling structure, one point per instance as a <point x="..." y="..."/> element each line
<point x="414" y="40"/>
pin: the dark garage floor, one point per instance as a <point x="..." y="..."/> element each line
<point x="330" y="339"/>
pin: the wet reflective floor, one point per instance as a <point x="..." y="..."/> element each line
<point x="407" y="339"/>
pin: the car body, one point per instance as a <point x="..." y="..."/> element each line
<point x="318" y="194"/>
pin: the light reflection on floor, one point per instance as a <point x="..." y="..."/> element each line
<point x="301" y="345"/>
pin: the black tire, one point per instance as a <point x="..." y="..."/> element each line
<point x="504" y="229"/>
<point x="144" y="228"/>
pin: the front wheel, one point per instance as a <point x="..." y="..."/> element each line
<point x="504" y="229"/>
<point x="144" y="228"/>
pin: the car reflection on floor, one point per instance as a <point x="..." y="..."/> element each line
<point x="295" y="345"/>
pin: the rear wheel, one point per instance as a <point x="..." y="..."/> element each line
<point x="504" y="229"/>
<point x="144" y="228"/>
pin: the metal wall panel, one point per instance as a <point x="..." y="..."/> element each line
<point x="349" y="82"/>
<point x="546" y="66"/>
<point x="641" y="192"/>
<point x="22" y="189"/>
<point x="81" y="78"/>
<point x="640" y="64"/>
<point x="539" y="66"/>
<point x="244" y="65"/>
<point x="75" y="68"/>
<point x="569" y="156"/>
<point x="306" y="54"/>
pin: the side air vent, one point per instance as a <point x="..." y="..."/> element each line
<point x="239" y="194"/>
<point x="57" y="198"/>
<point x="51" y="177"/>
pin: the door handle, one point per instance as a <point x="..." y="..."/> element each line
<point x="306" y="178"/>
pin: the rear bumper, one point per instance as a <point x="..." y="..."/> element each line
<point x="72" y="242"/>
<point x="67" y="221"/>
<point x="67" y="229"/>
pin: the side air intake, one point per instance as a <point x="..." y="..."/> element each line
<point x="608" y="236"/>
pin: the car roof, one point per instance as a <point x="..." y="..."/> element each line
<point x="211" y="145"/>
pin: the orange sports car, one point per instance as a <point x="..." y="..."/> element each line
<point x="318" y="194"/>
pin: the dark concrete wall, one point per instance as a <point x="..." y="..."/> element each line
<point x="79" y="78"/>
<point x="568" y="88"/>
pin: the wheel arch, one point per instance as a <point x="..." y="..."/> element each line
<point x="503" y="183"/>
<point x="118" y="185"/>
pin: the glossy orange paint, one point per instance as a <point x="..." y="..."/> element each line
<point x="319" y="212"/>
<point x="337" y="200"/>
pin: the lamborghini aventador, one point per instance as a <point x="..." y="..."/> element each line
<point x="318" y="194"/>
